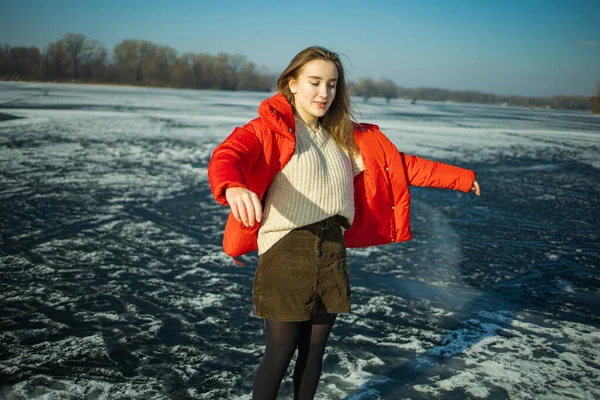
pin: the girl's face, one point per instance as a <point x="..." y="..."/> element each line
<point x="314" y="89"/>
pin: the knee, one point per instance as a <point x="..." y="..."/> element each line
<point x="281" y="350"/>
<point x="317" y="348"/>
<point x="316" y="353"/>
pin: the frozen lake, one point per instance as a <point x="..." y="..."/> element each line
<point x="113" y="284"/>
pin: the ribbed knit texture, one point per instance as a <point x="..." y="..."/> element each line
<point x="315" y="184"/>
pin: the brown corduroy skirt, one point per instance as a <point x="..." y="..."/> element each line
<point x="304" y="274"/>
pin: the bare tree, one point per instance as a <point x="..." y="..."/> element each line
<point x="4" y="59"/>
<point x="247" y="77"/>
<point x="366" y="88"/>
<point x="237" y="62"/>
<point x="131" y="59"/>
<point x="74" y="45"/>
<point x="181" y="71"/>
<point x="18" y="62"/>
<point x="93" y="60"/>
<point x="55" y="61"/>
<point x="387" y="89"/>
<point x="223" y="76"/>
<point x="159" y="65"/>
<point x="203" y="71"/>
<point x="25" y="62"/>
<point x="252" y="78"/>
<point x="596" y="100"/>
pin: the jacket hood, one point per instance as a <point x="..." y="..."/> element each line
<point x="277" y="113"/>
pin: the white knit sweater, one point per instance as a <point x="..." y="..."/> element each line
<point x="315" y="184"/>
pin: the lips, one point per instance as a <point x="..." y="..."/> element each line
<point x="320" y="104"/>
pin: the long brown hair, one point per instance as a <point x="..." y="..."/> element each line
<point x="338" y="119"/>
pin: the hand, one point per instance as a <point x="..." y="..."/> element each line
<point x="476" y="189"/>
<point x="245" y="205"/>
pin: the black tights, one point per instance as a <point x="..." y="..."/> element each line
<point x="310" y="337"/>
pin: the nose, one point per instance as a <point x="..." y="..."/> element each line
<point x="323" y="91"/>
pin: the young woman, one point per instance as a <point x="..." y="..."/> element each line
<point x="304" y="182"/>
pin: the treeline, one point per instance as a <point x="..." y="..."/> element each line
<point x="387" y="89"/>
<point x="75" y="58"/>
<point x="596" y="101"/>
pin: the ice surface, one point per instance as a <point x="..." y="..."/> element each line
<point x="114" y="285"/>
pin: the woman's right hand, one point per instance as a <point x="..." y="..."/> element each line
<point x="245" y="205"/>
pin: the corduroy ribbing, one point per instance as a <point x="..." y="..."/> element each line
<point x="315" y="184"/>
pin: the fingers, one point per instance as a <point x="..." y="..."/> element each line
<point x="234" y="211"/>
<point x="245" y="205"/>
<point x="476" y="188"/>
<point x="257" y="207"/>
<point x="253" y="208"/>
<point x="248" y="207"/>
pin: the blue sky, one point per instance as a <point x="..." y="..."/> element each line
<point x="526" y="47"/>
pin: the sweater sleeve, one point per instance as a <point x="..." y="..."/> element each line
<point x="423" y="172"/>
<point x="231" y="162"/>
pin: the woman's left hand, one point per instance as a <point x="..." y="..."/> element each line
<point x="475" y="188"/>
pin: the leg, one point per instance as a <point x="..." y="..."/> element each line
<point x="311" y="348"/>
<point x="281" y="342"/>
<point x="303" y="347"/>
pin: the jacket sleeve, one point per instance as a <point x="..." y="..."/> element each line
<point x="231" y="161"/>
<point x="423" y="172"/>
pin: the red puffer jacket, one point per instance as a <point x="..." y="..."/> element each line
<point x="253" y="154"/>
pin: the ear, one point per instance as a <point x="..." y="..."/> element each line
<point x="292" y="86"/>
